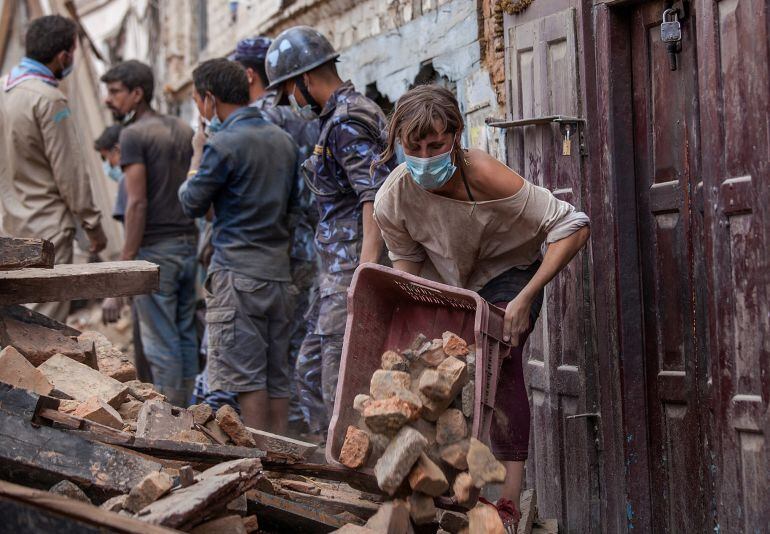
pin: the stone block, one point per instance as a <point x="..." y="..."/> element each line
<point x="202" y="413"/>
<point x="115" y="504"/>
<point x="393" y="361"/>
<point x="360" y="402"/>
<point x="484" y="519"/>
<point x="82" y="382"/>
<point x="251" y="524"/>
<point x="451" y="427"/>
<point x="231" y="424"/>
<point x="483" y="467"/>
<point x="69" y="406"/>
<point x="456" y="454"/>
<point x="386" y="384"/>
<point x="427" y="477"/>
<point x="454" y="345"/>
<point x="391" y="518"/>
<point x="452" y="522"/>
<point x="422" y="510"/>
<point x="426" y="428"/>
<point x="98" y="411"/>
<point x="356" y="448"/>
<point x="465" y="492"/>
<point x="213" y="427"/>
<point x="160" y="420"/>
<point x="397" y="460"/>
<point x="16" y="371"/>
<point x="144" y="391"/>
<point x="435" y="354"/>
<point x="67" y="489"/>
<point x="190" y="436"/>
<point x="388" y="415"/>
<point x="147" y="491"/>
<point x="468" y="399"/>
<point x="432" y="409"/>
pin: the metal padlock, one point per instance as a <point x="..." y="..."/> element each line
<point x="670" y="30"/>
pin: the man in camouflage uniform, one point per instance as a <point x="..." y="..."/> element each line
<point x="303" y="216"/>
<point x="301" y="64"/>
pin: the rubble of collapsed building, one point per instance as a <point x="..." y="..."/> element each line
<point x="84" y="444"/>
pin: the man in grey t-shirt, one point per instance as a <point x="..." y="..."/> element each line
<point x="155" y="155"/>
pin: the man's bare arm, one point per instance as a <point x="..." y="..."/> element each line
<point x="135" y="176"/>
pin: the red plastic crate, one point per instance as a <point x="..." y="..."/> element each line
<point x="387" y="309"/>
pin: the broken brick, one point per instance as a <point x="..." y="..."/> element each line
<point x="432" y="409"/>
<point x="232" y="425"/>
<point x="214" y="429"/>
<point x="451" y="427"/>
<point x="483" y="467"/>
<point x="161" y="420"/>
<point x="38" y="343"/>
<point x="435" y="354"/>
<point x="147" y="491"/>
<point x="427" y="477"/>
<point x="456" y="454"/>
<point x="485" y="519"/>
<point x="191" y="436"/>
<point x="129" y="410"/>
<point x="445" y="381"/>
<point x="81" y="382"/>
<point x="386" y="384"/>
<point x="465" y="492"/>
<point x="202" y="413"/>
<point x="232" y="524"/>
<point x="98" y="411"/>
<point x="144" y="391"/>
<point x="110" y="360"/>
<point x="301" y="486"/>
<point x="251" y="524"/>
<point x="69" y="406"/>
<point x="397" y="460"/>
<point x="115" y="504"/>
<point x="452" y="522"/>
<point x="16" y="371"/>
<point x="393" y="361"/>
<point x="356" y="448"/>
<point x="421" y="508"/>
<point x="454" y="345"/>
<point x="386" y="416"/>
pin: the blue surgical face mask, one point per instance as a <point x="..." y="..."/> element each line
<point x="213" y="126"/>
<point x="305" y="112"/>
<point x="114" y="172"/>
<point x="431" y="173"/>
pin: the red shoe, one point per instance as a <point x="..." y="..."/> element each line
<point x="508" y="513"/>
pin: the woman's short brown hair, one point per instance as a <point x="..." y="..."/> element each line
<point x="421" y="111"/>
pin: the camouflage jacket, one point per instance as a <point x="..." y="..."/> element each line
<point x="338" y="173"/>
<point x="303" y="216"/>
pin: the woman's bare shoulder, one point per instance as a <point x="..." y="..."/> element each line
<point x="494" y="177"/>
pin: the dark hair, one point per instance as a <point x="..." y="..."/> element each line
<point x="420" y="112"/>
<point x="224" y="79"/>
<point x="47" y="36"/>
<point x="257" y="66"/>
<point x="109" y="138"/>
<point x="132" y="74"/>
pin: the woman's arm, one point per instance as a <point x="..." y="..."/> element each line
<point x="411" y="267"/>
<point x="558" y="255"/>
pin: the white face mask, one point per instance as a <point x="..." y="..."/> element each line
<point x="305" y="112"/>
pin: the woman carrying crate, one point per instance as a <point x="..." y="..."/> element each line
<point x="463" y="218"/>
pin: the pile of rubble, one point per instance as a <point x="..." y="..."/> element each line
<point x="414" y="431"/>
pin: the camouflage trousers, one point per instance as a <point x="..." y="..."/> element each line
<point x="318" y="363"/>
<point x="303" y="274"/>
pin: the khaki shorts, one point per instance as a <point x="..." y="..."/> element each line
<point x="249" y="322"/>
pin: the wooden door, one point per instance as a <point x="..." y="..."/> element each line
<point x="666" y="143"/>
<point x="734" y="64"/>
<point x="542" y="63"/>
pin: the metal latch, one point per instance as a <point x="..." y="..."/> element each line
<point x="570" y="127"/>
<point x="585" y="416"/>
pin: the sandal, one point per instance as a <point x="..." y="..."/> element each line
<point x="508" y="512"/>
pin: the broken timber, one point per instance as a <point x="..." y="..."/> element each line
<point x="42" y="456"/>
<point x="282" y="445"/>
<point x="78" y="281"/>
<point x="277" y="512"/>
<point x="29" y="510"/>
<point x="20" y="253"/>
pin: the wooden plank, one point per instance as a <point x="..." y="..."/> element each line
<point x="20" y="253"/>
<point x="6" y="22"/>
<point x="29" y="510"/>
<point x="335" y="501"/>
<point x="284" y="515"/>
<point x="186" y="507"/>
<point x="275" y="443"/>
<point x="81" y="281"/>
<point x="43" y="456"/>
<point x="356" y="479"/>
<point x="25" y="315"/>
